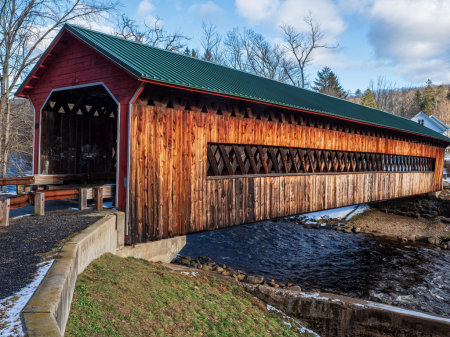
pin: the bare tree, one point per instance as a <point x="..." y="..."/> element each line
<point x="211" y="42"/>
<point x="152" y="34"/>
<point x="251" y="52"/>
<point x="301" y="46"/>
<point x="234" y="50"/>
<point x="265" y="59"/>
<point x="389" y="98"/>
<point x="25" y="27"/>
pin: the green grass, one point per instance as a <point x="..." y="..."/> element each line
<point x="131" y="297"/>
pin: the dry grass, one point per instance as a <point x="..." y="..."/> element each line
<point x="131" y="297"/>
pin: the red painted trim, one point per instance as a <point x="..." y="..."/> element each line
<point x="136" y="95"/>
<point x="281" y="106"/>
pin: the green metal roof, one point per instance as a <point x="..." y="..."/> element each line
<point x="146" y="62"/>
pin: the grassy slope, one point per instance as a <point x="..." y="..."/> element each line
<point x="130" y="297"/>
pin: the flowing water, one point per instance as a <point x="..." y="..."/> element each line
<point x="414" y="276"/>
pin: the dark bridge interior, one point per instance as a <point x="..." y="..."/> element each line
<point x="79" y="132"/>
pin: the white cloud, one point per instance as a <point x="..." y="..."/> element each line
<point x="408" y="37"/>
<point x="275" y="12"/>
<point x="256" y="11"/>
<point x="412" y="34"/>
<point x="146" y="10"/>
<point x="410" y="29"/>
<point x="205" y="8"/>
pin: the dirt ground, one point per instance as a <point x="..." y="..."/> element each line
<point x="381" y="224"/>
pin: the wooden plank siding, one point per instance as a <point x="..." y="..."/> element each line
<point x="169" y="152"/>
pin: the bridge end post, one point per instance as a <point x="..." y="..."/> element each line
<point x="4" y="212"/>
<point x="39" y="203"/>
<point x="82" y="199"/>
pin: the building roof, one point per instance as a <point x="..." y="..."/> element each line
<point x="431" y="119"/>
<point x="439" y="122"/>
<point x="159" y="65"/>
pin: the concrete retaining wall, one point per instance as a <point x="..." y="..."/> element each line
<point x="47" y="312"/>
<point x="332" y="315"/>
<point x="163" y="250"/>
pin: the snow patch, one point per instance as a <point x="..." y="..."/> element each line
<point x="337" y="213"/>
<point x="302" y="329"/>
<point x="407" y="312"/>
<point x="109" y="205"/>
<point x="315" y="296"/>
<point x="12" y="306"/>
<point x="189" y="273"/>
<point x="21" y="216"/>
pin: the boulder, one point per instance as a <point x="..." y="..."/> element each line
<point x="241" y="277"/>
<point x="185" y="261"/>
<point x="225" y="273"/>
<point x="219" y="270"/>
<point x="254" y="279"/>
<point x="432" y="240"/>
<point x="207" y="268"/>
<point x="357" y="230"/>
<point x="295" y="288"/>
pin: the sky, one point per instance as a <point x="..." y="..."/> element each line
<point x="407" y="41"/>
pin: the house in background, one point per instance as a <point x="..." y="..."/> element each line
<point x="432" y="123"/>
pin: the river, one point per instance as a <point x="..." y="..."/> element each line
<point x="413" y="276"/>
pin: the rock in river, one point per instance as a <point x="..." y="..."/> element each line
<point x="254" y="279"/>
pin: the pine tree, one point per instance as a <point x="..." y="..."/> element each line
<point x="328" y="83"/>
<point x="418" y="99"/>
<point x="187" y="51"/>
<point x="368" y="99"/>
<point x="358" y="93"/>
<point x="428" y="99"/>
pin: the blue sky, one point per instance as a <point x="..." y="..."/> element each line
<point x="407" y="41"/>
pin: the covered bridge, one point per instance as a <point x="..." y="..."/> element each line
<point x="194" y="146"/>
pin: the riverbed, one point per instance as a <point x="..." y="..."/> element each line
<point x="413" y="275"/>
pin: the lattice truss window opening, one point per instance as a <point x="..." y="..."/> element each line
<point x="233" y="159"/>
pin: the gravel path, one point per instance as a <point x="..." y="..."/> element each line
<point x="27" y="236"/>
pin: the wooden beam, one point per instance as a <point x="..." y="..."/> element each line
<point x="82" y="199"/>
<point x="39" y="203"/>
<point x="4" y="212"/>
<point x="98" y="198"/>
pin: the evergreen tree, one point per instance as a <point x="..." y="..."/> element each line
<point x="187" y="51"/>
<point x="328" y="83"/>
<point x="428" y="99"/>
<point x="368" y="99"/>
<point x="418" y="99"/>
<point x="448" y="94"/>
<point x="358" y="93"/>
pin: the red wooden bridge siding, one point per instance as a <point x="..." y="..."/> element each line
<point x="170" y="193"/>
<point x="76" y="64"/>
